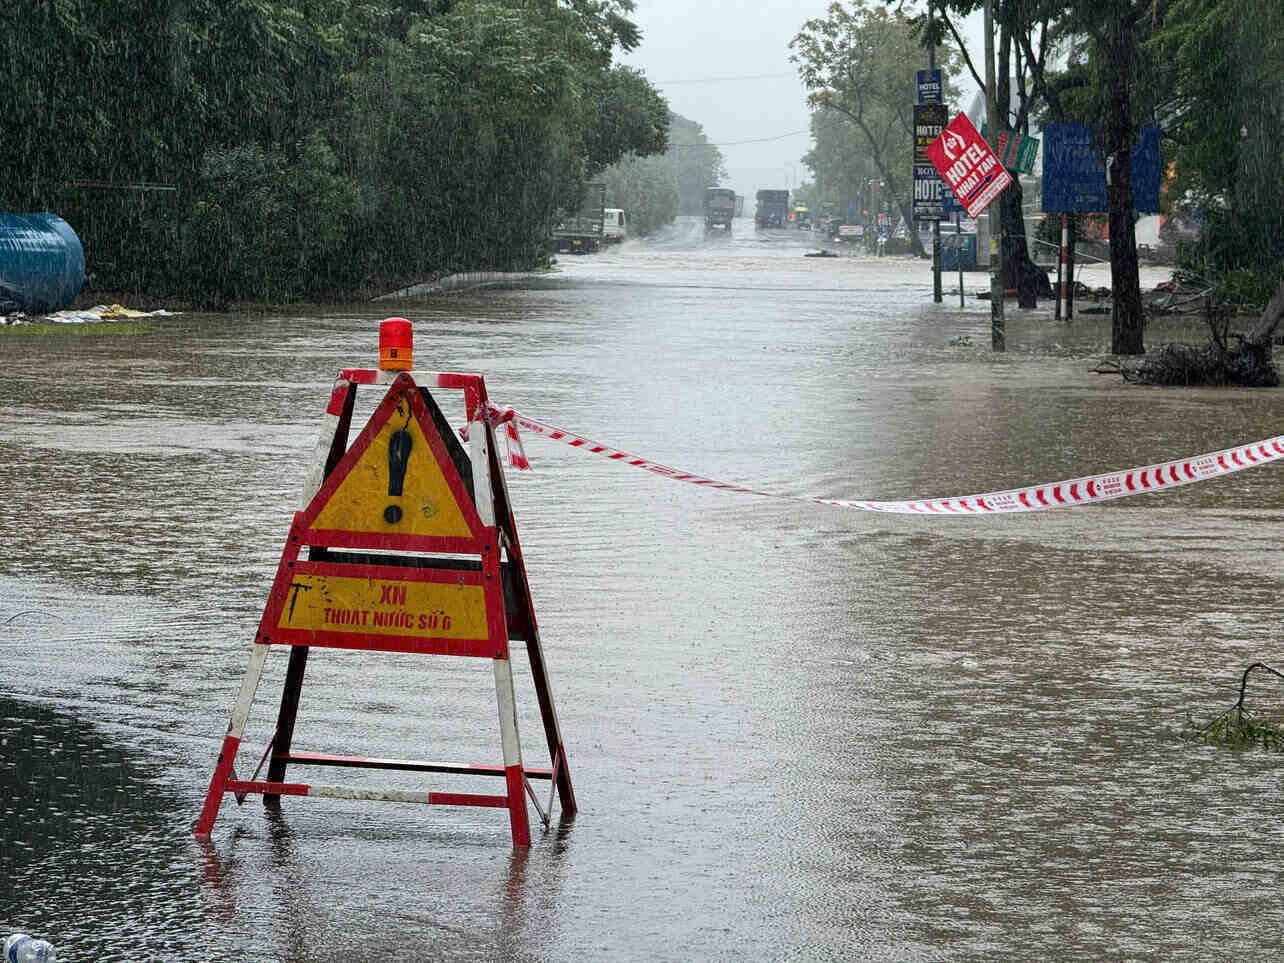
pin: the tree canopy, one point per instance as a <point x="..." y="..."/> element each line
<point x="654" y="189"/>
<point x="276" y="149"/>
<point x="858" y="65"/>
<point x="1228" y="151"/>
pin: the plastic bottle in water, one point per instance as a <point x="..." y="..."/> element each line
<point x="21" y="948"/>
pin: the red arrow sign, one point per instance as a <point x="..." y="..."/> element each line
<point x="968" y="165"/>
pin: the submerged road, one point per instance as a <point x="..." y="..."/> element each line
<point x="796" y="731"/>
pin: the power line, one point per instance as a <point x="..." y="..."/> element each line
<point x="759" y="140"/>
<point x="714" y="80"/>
<point x="734" y="143"/>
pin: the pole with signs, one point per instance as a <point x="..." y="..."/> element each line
<point x="958" y="246"/>
<point x="996" y="223"/>
<point x="936" y="224"/>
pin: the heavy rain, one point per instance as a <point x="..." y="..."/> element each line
<point x="794" y="729"/>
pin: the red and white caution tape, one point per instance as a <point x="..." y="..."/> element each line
<point x="1035" y="498"/>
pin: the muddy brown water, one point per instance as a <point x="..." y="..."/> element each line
<point x="795" y="732"/>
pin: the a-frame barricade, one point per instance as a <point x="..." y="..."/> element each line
<point x="405" y="542"/>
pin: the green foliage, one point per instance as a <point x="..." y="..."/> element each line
<point x="1245" y="289"/>
<point x="1229" y="150"/>
<point x="644" y="188"/>
<point x="630" y="114"/>
<point x="270" y="223"/>
<point x="99" y="329"/>
<point x="858" y="63"/>
<point x="1236" y="729"/>
<point x="654" y="190"/>
<point x="315" y="147"/>
<point x="696" y="164"/>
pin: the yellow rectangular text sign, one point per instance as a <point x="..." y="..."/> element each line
<point x="383" y="607"/>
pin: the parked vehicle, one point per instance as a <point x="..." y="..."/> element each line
<point x="581" y="231"/>
<point x="614" y="226"/>
<point x="719" y="208"/>
<point x="772" y="209"/>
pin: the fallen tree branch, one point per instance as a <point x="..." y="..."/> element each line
<point x="1236" y="727"/>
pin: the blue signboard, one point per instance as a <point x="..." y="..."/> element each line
<point x="929" y="86"/>
<point x="933" y="201"/>
<point x="1147" y="170"/>
<point x="1074" y="172"/>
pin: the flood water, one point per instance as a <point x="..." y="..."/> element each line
<point x="794" y="731"/>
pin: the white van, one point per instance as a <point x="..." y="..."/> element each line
<point x="614" y="228"/>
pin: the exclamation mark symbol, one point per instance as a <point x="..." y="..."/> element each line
<point x="398" y="460"/>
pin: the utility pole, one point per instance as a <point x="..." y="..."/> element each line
<point x="936" y="224"/>
<point x="996" y="222"/>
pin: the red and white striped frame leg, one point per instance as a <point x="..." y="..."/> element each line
<point x="514" y="775"/>
<point x="325" y="437"/>
<point x="479" y="456"/>
<point x="231" y="741"/>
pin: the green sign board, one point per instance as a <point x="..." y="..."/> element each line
<point x="1016" y="151"/>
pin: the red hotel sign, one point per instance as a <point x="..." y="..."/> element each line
<point x="968" y="165"/>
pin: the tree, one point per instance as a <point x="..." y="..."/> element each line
<point x="1107" y="67"/>
<point x="856" y="63"/>
<point x="644" y="188"/>
<point x="696" y="163"/>
<point x="1117" y="29"/>
<point x="843" y="167"/>
<point x="1228" y="152"/>
<point x="653" y="190"/>
<point x="313" y="147"/>
<point x="1028" y="36"/>
<point x="630" y="116"/>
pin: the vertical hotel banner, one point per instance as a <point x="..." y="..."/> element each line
<point x="968" y="166"/>
<point x="929" y="190"/>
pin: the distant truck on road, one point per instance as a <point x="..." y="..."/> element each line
<point x="719" y="208"/>
<point x="582" y="231"/>
<point x="615" y="226"/>
<point x="772" y="210"/>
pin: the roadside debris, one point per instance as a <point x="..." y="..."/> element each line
<point x="1178" y="296"/>
<point x="1230" y="357"/>
<point x="99" y="312"/>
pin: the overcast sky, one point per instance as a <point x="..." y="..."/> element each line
<point x="725" y="65"/>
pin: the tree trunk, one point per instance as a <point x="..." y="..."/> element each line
<point x="1128" y="320"/>
<point x="1263" y="332"/>
<point x="911" y="229"/>
<point x="1019" y="270"/>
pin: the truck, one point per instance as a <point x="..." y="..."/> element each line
<point x="581" y="231"/>
<point x="772" y="209"/>
<point x="719" y="208"/>
<point x="615" y="226"/>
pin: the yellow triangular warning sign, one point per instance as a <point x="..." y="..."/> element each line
<point x="397" y="479"/>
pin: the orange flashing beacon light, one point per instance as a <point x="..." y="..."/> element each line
<point x="396" y="345"/>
